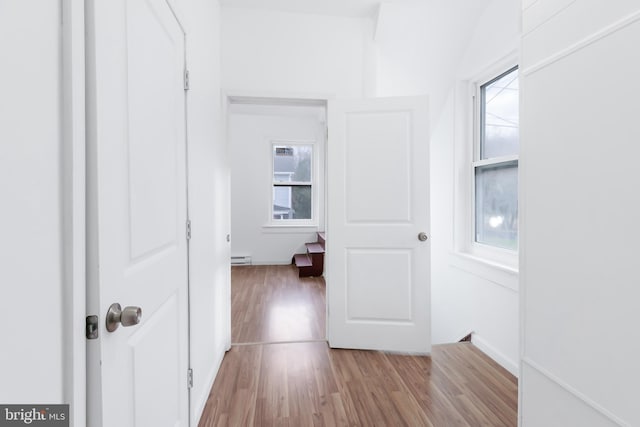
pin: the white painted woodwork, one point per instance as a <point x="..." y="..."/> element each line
<point x="74" y="211"/>
<point x="209" y="269"/>
<point x="378" y="272"/>
<point x="137" y="212"/>
<point x="579" y="216"/>
<point x="549" y="26"/>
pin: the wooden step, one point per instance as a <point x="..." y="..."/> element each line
<point x="314" y="248"/>
<point x="322" y="239"/>
<point x="306" y="266"/>
<point x="302" y="260"/>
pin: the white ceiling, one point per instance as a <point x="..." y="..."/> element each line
<point x="353" y="8"/>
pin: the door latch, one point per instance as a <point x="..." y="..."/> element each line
<point x="91" y="330"/>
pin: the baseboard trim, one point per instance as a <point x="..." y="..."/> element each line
<point x="201" y="401"/>
<point x="495" y="354"/>
<point x="575" y="393"/>
<point x="279" y="262"/>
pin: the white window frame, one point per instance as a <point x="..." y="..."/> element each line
<point x="467" y="154"/>
<point x="286" y="223"/>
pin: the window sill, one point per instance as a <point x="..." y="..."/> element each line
<point x="290" y="228"/>
<point x="499" y="273"/>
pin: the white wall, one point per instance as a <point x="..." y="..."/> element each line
<point x="35" y="166"/>
<point x="31" y="324"/>
<point x="275" y="53"/>
<point x="580" y="215"/>
<point x="429" y="48"/>
<point x="251" y="129"/>
<point x="419" y="47"/>
<point x="209" y="271"/>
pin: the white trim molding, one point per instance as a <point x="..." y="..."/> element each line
<point x="585" y="42"/>
<point x="493" y="272"/>
<point x="496" y="355"/>
<point x="73" y="182"/>
<point x="200" y="403"/>
<point x="575" y="393"/>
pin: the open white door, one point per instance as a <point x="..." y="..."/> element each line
<point x="378" y="263"/>
<point x="137" y="213"/>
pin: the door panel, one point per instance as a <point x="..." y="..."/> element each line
<point x="378" y="272"/>
<point x="157" y="340"/>
<point x="373" y="178"/>
<point x="137" y="212"/>
<point x="153" y="50"/>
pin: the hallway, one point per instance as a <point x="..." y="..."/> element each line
<point x="307" y="384"/>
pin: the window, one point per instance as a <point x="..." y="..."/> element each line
<point x="495" y="162"/>
<point x="292" y="182"/>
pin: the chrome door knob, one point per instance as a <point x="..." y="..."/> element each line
<point x="422" y="236"/>
<point x="130" y="316"/>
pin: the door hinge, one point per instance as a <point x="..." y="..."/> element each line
<point x="186" y="79"/>
<point x="190" y="378"/>
<point x="188" y="229"/>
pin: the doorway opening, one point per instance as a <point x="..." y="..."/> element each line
<point x="277" y="150"/>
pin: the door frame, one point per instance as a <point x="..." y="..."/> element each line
<point x="276" y="98"/>
<point x="74" y="210"/>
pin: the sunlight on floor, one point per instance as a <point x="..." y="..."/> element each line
<point x="289" y="322"/>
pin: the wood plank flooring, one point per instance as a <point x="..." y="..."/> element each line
<point x="270" y="303"/>
<point x="308" y="384"/>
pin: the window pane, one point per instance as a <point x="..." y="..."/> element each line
<point x="499" y="118"/>
<point x="292" y="163"/>
<point x="497" y="205"/>
<point x="292" y="202"/>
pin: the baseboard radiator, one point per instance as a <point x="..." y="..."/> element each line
<point x="241" y="260"/>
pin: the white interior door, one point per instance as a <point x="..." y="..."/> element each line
<point x="378" y="270"/>
<point x="137" y="212"/>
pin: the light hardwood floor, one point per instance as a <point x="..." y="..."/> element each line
<point x="309" y="384"/>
